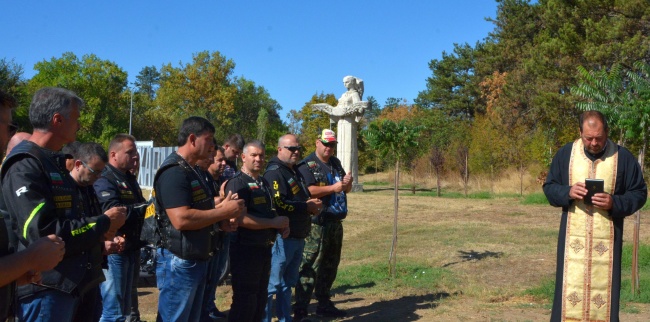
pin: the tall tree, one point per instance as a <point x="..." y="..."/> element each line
<point x="100" y="83"/>
<point x="148" y="81"/>
<point x="452" y="87"/>
<point x="203" y="87"/>
<point x="396" y="138"/>
<point x="12" y="82"/>
<point x="308" y="123"/>
<point x="251" y="103"/>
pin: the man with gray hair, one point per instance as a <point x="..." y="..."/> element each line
<point x="41" y="255"/>
<point x="41" y="198"/>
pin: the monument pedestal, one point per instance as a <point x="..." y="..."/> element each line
<point x="357" y="187"/>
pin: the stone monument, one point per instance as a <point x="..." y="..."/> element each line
<point x="346" y="115"/>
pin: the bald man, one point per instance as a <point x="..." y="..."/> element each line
<point x="15" y="139"/>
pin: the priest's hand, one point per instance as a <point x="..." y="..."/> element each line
<point x="603" y="201"/>
<point x="578" y="191"/>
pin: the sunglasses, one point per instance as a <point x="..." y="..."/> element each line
<point x="329" y="144"/>
<point x="293" y="149"/>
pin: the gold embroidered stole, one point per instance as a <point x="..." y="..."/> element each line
<point x="589" y="241"/>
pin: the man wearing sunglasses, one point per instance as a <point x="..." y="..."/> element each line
<point x="292" y="199"/>
<point x="325" y="179"/>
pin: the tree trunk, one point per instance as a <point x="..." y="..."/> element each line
<point x="492" y="178"/>
<point x="392" y="260"/>
<point x="413" y="188"/>
<point x="437" y="183"/>
<point x="466" y="178"/>
<point x="521" y="179"/>
<point x="637" y="227"/>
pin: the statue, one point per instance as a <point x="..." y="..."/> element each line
<point x="347" y="114"/>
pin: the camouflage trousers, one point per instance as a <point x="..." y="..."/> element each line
<point x="320" y="262"/>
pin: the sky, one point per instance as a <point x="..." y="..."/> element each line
<point x="294" y="49"/>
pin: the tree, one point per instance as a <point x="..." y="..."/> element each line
<point x="148" y="81"/>
<point x="100" y="83"/>
<point x="452" y="87"/>
<point x="253" y="102"/>
<point x="262" y="121"/>
<point x="396" y="138"/>
<point x="202" y="88"/>
<point x="12" y="83"/>
<point x="623" y="98"/>
<point x="308" y="123"/>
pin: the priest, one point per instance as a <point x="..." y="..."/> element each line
<point x="588" y="276"/>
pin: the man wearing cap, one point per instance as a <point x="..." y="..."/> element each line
<point x="326" y="180"/>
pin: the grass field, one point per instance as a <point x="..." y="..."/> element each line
<point x="486" y="258"/>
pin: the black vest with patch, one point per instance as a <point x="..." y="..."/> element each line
<point x="259" y="205"/>
<point x="186" y="244"/>
<point x="71" y="270"/>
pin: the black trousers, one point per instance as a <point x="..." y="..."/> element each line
<point x="250" y="267"/>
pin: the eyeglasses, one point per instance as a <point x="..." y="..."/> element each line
<point x="329" y="144"/>
<point x="294" y="148"/>
<point x="93" y="172"/>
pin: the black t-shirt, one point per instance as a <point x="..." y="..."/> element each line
<point x="176" y="190"/>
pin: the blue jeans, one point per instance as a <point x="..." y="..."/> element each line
<point x="50" y="305"/>
<point x="285" y="265"/>
<point x="116" y="290"/>
<point x="181" y="284"/>
<point x="217" y="268"/>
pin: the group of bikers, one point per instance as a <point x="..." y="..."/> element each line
<point x="73" y="216"/>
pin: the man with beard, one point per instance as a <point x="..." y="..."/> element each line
<point x="588" y="273"/>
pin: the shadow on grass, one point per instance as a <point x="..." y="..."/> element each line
<point x="401" y="309"/>
<point x="472" y="255"/>
<point x="344" y="289"/>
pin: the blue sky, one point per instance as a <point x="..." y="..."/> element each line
<point x="294" y="49"/>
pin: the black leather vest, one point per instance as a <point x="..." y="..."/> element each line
<point x="313" y="164"/>
<point x="7" y="291"/>
<point x="299" y="223"/>
<point x="259" y="205"/>
<point x="186" y="244"/>
<point x="71" y="270"/>
<point x="129" y="194"/>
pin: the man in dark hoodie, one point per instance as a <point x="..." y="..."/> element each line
<point x="292" y="199"/>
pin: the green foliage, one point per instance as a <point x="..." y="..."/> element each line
<point x="396" y="138"/>
<point x="535" y="199"/>
<point x="148" y="81"/>
<point x="452" y="87"/>
<point x="308" y="123"/>
<point x="100" y="83"/>
<point x="12" y="82"/>
<point x="202" y="88"/>
<point x="253" y="102"/>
